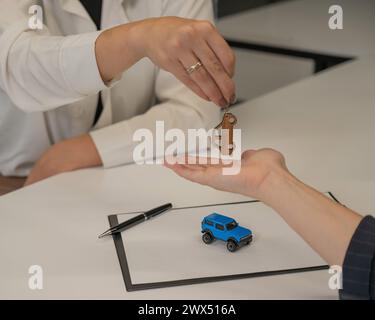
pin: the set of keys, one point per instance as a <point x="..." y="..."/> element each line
<point x="226" y="144"/>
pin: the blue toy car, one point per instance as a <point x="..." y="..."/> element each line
<point x="217" y="226"/>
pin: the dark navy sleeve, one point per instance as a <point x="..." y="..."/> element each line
<point x="359" y="263"/>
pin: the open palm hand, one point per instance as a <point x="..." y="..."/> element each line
<point x="255" y="168"/>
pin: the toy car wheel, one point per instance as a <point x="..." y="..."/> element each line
<point x="231" y="246"/>
<point x="207" y="238"/>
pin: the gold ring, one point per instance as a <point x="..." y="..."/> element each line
<point x="194" y="67"/>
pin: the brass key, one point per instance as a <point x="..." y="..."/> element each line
<point x="226" y="144"/>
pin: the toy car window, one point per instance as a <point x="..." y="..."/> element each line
<point x="219" y="226"/>
<point x="210" y="223"/>
<point x="232" y="225"/>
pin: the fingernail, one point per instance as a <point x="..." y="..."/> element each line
<point x="223" y="103"/>
<point x="233" y="100"/>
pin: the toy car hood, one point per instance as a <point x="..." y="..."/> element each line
<point x="241" y="232"/>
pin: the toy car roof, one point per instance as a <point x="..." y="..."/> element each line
<point x="219" y="218"/>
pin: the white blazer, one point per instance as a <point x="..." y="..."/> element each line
<point x="49" y="82"/>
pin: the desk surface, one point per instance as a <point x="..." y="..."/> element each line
<point x="303" y="25"/>
<point x="323" y="125"/>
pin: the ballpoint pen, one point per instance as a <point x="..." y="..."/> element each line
<point x="136" y="220"/>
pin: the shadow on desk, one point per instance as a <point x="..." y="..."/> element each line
<point x="9" y="184"/>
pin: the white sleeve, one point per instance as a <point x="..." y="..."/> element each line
<point x="40" y="72"/>
<point x="179" y="107"/>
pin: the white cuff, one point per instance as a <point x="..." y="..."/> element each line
<point x="79" y="66"/>
<point x="114" y="144"/>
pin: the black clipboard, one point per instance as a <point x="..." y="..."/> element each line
<point x="121" y="254"/>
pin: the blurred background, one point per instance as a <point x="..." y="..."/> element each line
<point x="279" y="42"/>
<point x="227" y="7"/>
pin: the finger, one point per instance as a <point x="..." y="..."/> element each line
<point x="178" y="168"/>
<point x="223" y="52"/>
<point x="248" y="154"/>
<point x="204" y="80"/>
<point x="185" y="172"/>
<point x="196" y="167"/>
<point x="217" y="71"/>
<point x="184" y="160"/>
<point x="180" y="73"/>
<point x="196" y="162"/>
<point x="205" y="162"/>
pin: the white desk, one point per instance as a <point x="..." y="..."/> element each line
<point x="303" y="25"/>
<point x="324" y="126"/>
